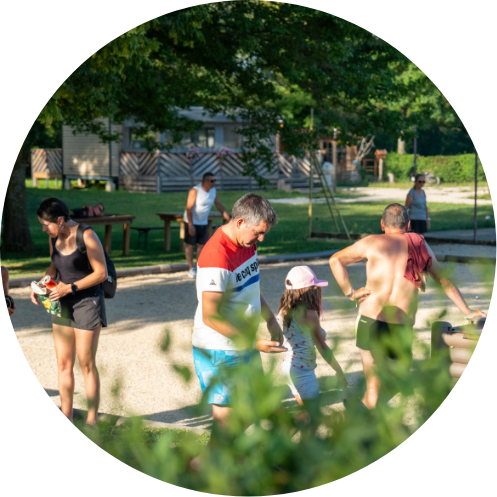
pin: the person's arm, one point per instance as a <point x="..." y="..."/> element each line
<point x="190" y="203"/>
<point x="408" y="201"/>
<point x="5" y="284"/>
<point x="340" y="260"/>
<point x="428" y="221"/>
<point x="96" y="256"/>
<point x="211" y="315"/>
<point x="221" y="209"/>
<point x="435" y="271"/>
<point x="5" y="280"/>
<point x="312" y="319"/>
<point x="51" y="271"/>
<point x="272" y="324"/>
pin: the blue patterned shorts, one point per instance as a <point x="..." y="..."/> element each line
<point x="217" y="369"/>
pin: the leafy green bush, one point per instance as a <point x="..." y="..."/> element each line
<point x="266" y="451"/>
<point x="449" y="168"/>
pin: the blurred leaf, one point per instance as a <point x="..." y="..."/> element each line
<point x="183" y="371"/>
<point x="116" y="387"/>
<point x="165" y="340"/>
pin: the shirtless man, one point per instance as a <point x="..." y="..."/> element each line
<point x="388" y="304"/>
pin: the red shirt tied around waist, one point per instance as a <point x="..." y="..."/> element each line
<point x="418" y="260"/>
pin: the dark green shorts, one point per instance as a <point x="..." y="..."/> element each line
<point x="390" y="340"/>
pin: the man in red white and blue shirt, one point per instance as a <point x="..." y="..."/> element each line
<point x="230" y="303"/>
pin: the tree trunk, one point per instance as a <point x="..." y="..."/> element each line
<point x="401" y="146"/>
<point x="16" y="236"/>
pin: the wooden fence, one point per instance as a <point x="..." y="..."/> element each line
<point x="161" y="172"/>
<point x="168" y="172"/>
<point x="46" y="164"/>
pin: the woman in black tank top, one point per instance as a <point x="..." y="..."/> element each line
<point x="79" y="277"/>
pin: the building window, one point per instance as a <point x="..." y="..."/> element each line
<point x="201" y="138"/>
<point x="138" y="142"/>
<point x="231" y="138"/>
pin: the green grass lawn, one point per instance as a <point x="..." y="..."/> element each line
<point x="484" y="196"/>
<point x="289" y="236"/>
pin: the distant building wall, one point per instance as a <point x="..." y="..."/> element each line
<point x="85" y="156"/>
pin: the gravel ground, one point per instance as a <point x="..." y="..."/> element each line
<point x="144" y="307"/>
<point x="445" y="195"/>
<point x="463" y="249"/>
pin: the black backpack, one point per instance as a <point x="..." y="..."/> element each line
<point x="110" y="285"/>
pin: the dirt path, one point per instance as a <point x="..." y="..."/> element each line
<point x="145" y="306"/>
<point x="445" y="195"/>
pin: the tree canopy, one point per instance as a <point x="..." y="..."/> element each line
<point x="266" y="62"/>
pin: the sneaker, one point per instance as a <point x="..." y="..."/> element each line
<point x="192" y="273"/>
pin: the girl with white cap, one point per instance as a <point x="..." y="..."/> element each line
<point x="298" y="316"/>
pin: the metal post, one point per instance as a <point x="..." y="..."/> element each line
<point x="475" y="222"/>
<point x="310" y="179"/>
<point x="415" y="147"/>
<point x="334" y="160"/>
<point x="110" y="151"/>
<point x="310" y="196"/>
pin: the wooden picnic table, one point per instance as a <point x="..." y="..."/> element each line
<point x="167" y="217"/>
<point x="108" y="221"/>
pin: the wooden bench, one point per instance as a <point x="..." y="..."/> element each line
<point x="46" y="176"/>
<point x="143" y="231"/>
<point x="169" y="217"/>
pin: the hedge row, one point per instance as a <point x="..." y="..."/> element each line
<point x="449" y="168"/>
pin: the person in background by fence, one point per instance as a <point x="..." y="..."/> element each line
<point x="9" y="301"/>
<point x="198" y="207"/>
<point x="416" y="203"/>
<point x="77" y="330"/>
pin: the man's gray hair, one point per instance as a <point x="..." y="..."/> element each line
<point x="395" y="216"/>
<point x="253" y="209"/>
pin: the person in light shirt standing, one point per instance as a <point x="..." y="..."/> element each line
<point x="418" y="210"/>
<point x="198" y="207"/>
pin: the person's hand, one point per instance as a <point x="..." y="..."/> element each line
<point x="275" y="330"/>
<point x="61" y="290"/>
<point x="34" y="298"/>
<point x="191" y="230"/>
<point x="478" y="314"/>
<point x="361" y="295"/>
<point x="268" y="346"/>
<point x="10" y="304"/>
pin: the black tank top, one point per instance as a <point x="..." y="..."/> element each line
<point x="72" y="268"/>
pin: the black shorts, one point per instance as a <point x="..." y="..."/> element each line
<point x="384" y="339"/>
<point x="84" y="313"/>
<point x="199" y="237"/>
<point x="418" y="226"/>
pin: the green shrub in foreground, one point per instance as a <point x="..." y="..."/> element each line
<point x="276" y="454"/>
